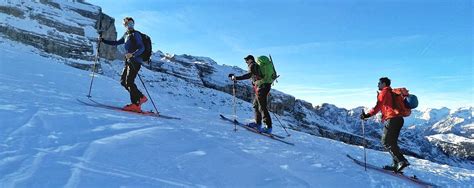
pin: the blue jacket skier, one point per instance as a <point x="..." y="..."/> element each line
<point x="134" y="46"/>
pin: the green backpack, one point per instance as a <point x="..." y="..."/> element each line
<point x="267" y="70"/>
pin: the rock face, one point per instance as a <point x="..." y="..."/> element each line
<point x="68" y="31"/>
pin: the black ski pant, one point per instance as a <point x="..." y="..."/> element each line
<point x="260" y="105"/>
<point x="391" y="131"/>
<point x="130" y="72"/>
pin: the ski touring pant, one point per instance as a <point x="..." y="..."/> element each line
<point x="130" y="72"/>
<point x="260" y="105"/>
<point x="391" y="131"/>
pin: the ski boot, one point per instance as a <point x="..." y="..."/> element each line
<point x="254" y="126"/>
<point x="401" y="165"/>
<point x="142" y="100"/>
<point x="392" y="167"/>
<point x="266" y="130"/>
<point x="389" y="167"/>
<point x="132" y="108"/>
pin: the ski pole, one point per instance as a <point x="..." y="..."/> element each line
<point x="234" y="106"/>
<point x="95" y="63"/>
<point x="143" y="83"/>
<point x="99" y="31"/>
<point x="235" y="110"/>
<point x="281" y="125"/>
<point x="363" y="143"/>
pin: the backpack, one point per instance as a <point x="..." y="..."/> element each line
<point x="403" y="101"/>
<point x="267" y="70"/>
<point x="147" y="44"/>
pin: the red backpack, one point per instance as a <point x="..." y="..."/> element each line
<point x="399" y="107"/>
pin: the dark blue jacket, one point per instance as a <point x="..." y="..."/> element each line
<point x="134" y="46"/>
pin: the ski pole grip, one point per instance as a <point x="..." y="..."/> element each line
<point x="230" y="77"/>
<point x="363" y="114"/>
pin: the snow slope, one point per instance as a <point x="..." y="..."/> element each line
<point x="68" y="29"/>
<point x="48" y="139"/>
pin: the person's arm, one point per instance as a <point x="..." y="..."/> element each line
<point x="376" y="109"/>
<point x="244" y="77"/>
<point x="383" y="99"/>
<point x="140" y="45"/>
<point x="252" y="71"/>
<point x="113" y="42"/>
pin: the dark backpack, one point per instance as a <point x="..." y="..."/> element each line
<point x="147" y="44"/>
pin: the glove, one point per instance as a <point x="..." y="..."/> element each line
<point x="364" y="116"/>
<point x="128" y="55"/>
<point x="232" y="77"/>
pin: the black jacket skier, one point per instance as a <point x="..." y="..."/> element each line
<point x="261" y="95"/>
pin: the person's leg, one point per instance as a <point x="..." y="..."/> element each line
<point x="256" y="109"/>
<point x="135" y="94"/>
<point x="391" y="131"/>
<point x="262" y="103"/>
<point x="398" y="127"/>
<point x="123" y="78"/>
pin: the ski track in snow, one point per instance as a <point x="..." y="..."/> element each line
<point x="85" y="164"/>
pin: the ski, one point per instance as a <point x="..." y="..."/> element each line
<point x="412" y="179"/>
<point x="271" y="136"/>
<point x="275" y="135"/>
<point x="94" y="103"/>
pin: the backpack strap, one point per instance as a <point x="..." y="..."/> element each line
<point x="133" y="37"/>
<point x="393" y="99"/>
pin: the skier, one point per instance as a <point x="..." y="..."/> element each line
<point x="134" y="47"/>
<point x="393" y="123"/>
<point x="261" y="90"/>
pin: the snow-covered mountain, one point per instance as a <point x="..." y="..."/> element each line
<point x="46" y="133"/>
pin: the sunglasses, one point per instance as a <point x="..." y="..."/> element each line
<point x="125" y="23"/>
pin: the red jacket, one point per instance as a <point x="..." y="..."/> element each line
<point x="384" y="104"/>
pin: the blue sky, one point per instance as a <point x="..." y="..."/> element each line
<point x="325" y="51"/>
